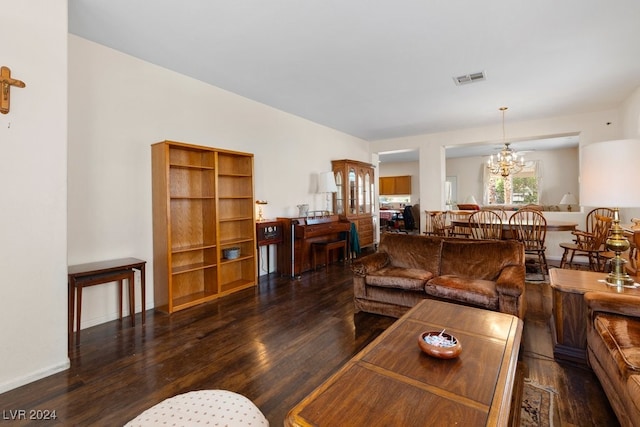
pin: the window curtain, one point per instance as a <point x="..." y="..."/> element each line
<point x="537" y="167"/>
<point x="486" y="184"/>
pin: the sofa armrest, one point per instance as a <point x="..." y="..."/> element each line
<point x="367" y="264"/>
<point x="626" y="305"/>
<point x="511" y="280"/>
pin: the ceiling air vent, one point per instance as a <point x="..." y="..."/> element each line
<point x="469" y="78"/>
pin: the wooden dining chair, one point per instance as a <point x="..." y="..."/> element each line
<point x="591" y="219"/>
<point x="500" y="211"/>
<point x="529" y="226"/>
<point x="485" y="225"/>
<point x="436" y="223"/>
<point x="589" y="245"/>
<point x="459" y="223"/>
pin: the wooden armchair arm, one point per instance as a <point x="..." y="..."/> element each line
<point x="582" y="238"/>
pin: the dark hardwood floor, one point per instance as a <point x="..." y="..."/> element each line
<point x="274" y="344"/>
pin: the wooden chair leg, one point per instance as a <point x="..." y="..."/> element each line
<point x="543" y="264"/>
<point x="544" y="260"/>
<point x="563" y="260"/>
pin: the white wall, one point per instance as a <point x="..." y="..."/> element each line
<point x="120" y="105"/>
<point x="631" y="115"/>
<point x="631" y="127"/>
<point x="559" y="174"/>
<point x="33" y="165"/>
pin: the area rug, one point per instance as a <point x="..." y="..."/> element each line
<point x="538" y="405"/>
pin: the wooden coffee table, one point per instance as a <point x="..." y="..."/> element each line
<point x="391" y="382"/>
<point x="569" y="314"/>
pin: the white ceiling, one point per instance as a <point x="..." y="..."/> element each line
<point x="384" y="69"/>
<point x="484" y="149"/>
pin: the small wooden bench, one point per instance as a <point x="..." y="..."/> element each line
<point x="327" y="247"/>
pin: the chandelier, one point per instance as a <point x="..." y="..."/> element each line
<point x="506" y="162"/>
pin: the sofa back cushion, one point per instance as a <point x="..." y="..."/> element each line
<point x="479" y="259"/>
<point x="412" y="251"/>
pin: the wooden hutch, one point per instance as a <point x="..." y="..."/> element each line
<point x="204" y="235"/>
<point x="355" y="196"/>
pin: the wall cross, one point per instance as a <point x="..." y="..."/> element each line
<point x="6" y="82"/>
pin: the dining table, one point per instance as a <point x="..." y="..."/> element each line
<point x="552" y="225"/>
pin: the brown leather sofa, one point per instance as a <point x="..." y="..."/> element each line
<point x="409" y="268"/>
<point x="613" y="350"/>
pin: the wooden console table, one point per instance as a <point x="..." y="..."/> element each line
<point x="268" y="232"/>
<point x="391" y="382"/>
<point x="569" y="313"/>
<point x="95" y="273"/>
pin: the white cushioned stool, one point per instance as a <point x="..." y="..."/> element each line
<point x="203" y="407"/>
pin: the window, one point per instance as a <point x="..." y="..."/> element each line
<point x="517" y="189"/>
<point x="387" y="200"/>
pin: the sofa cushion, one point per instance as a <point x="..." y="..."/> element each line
<point x="478" y="292"/>
<point x="411" y="279"/>
<point x="621" y="335"/>
<point x="412" y="251"/>
<point x="480" y="259"/>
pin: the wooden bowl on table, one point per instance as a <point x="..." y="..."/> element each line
<point x="439" y="344"/>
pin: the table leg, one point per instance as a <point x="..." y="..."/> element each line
<point x="79" y="313"/>
<point x="120" y="284"/>
<point x="268" y="259"/>
<point x="143" y="291"/>
<point x="71" y="310"/>
<point x="132" y="297"/>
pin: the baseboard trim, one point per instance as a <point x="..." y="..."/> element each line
<point x="35" y="376"/>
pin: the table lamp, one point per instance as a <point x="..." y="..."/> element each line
<point x="471" y="200"/>
<point x="327" y="185"/>
<point x="260" y="204"/>
<point x="609" y="175"/>
<point x="568" y="199"/>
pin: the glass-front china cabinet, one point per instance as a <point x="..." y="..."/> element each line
<point x="354" y="198"/>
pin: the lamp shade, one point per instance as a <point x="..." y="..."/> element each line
<point x="610" y="173"/>
<point x="327" y="182"/>
<point x="568" y="199"/>
<point x="471" y="200"/>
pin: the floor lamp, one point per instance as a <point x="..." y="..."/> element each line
<point x="609" y="175"/>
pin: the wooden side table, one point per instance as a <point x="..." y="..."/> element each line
<point x="95" y="273"/>
<point x="569" y="313"/>
<point x="268" y="232"/>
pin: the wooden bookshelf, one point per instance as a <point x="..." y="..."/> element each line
<point x="202" y="205"/>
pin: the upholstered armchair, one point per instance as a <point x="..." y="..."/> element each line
<point x="613" y="350"/>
